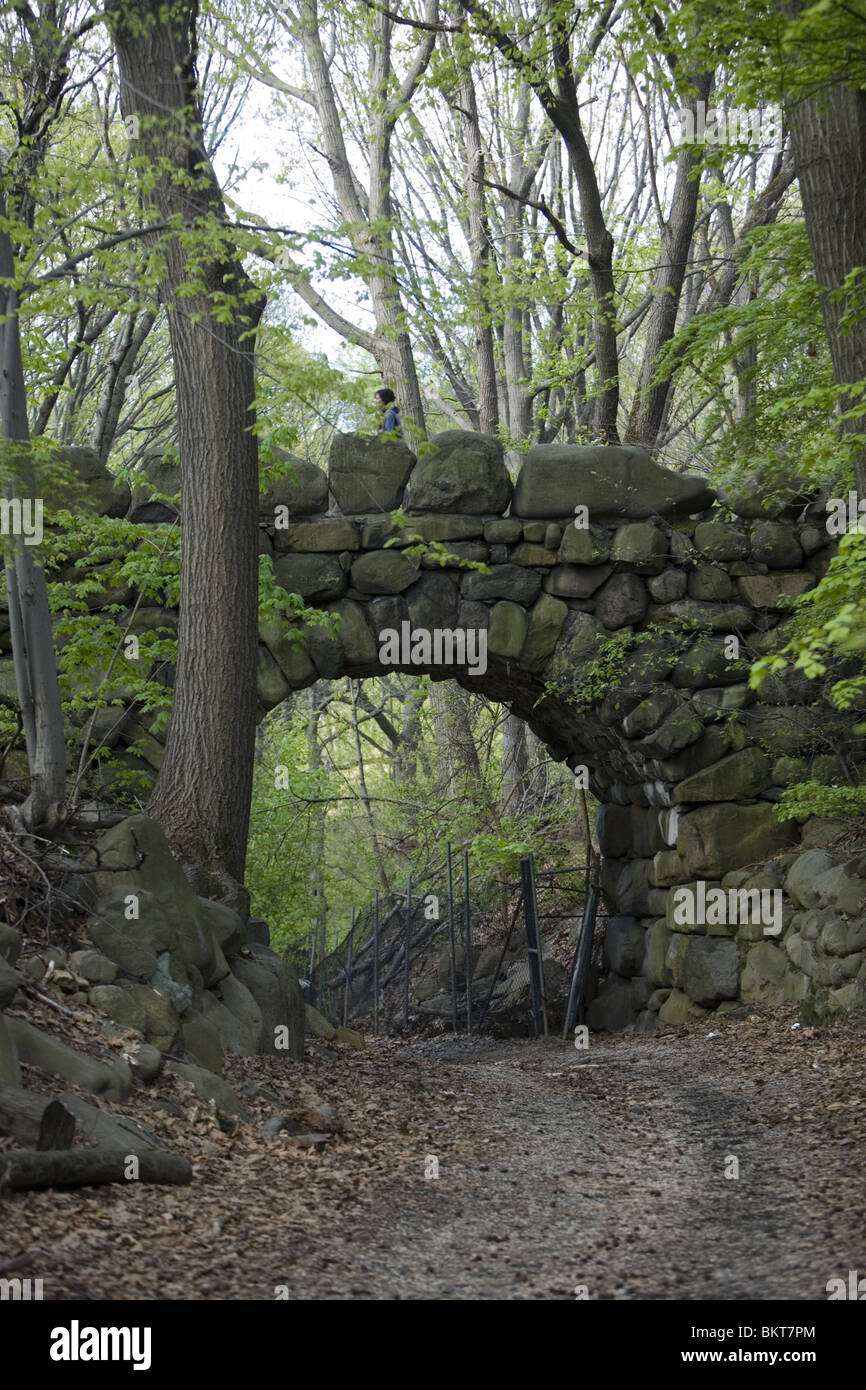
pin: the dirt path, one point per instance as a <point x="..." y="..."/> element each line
<point x="557" y="1169"/>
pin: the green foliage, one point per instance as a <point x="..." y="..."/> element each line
<point x="601" y="673"/>
<point x="826" y="640"/>
<point x="436" y="552"/>
<point x="281" y="854"/>
<point x="775" y="345"/>
<point x="829" y="624"/>
<point x="497" y="855"/>
<point x="814" y="798"/>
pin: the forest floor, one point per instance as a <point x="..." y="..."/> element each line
<point x="605" y="1173"/>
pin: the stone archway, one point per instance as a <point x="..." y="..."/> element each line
<point x="618" y="614"/>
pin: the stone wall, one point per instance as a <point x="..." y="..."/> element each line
<point x="589" y="545"/>
<point x="177" y="974"/>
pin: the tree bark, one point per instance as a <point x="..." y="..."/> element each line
<point x="22" y="1168"/>
<point x="479" y="249"/>
<point x="29" y="614"/>
<point x="406" y="753"/>
<point x="648" y="406"/>
<point x="202" y="795"/>
<point x="515" y="761"/>
<point x="829" y="138"/>
<point x="365" y="796"/>
<point x="457" y="755"/>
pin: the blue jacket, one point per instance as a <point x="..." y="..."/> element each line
<point x="392" y="422"/>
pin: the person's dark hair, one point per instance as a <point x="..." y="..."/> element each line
<point x="386" y="395"/>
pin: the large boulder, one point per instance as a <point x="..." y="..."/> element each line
<point x="711" y="969"/>
<point x="303" y="489"/>
<point x="384" y="572"/>
<point x="201" y="1042"/>
<point x="503" y="582"/>
<point x="616" y="1005"/>
<point x="112" y="1131"/>
<point x="578" y="644"/>
<point x="274" y="986"/>
<point x="641" y="547"/>
<point x="271" y="685"/>
<point x="462" y="472"/>
<point x="622" y="601"/>
<point x="764" y="974"/>
<point x="10" y="1071"/>
<point x="800" y="883"/>
<point x="546" y="622"/>
<point x="317" y="1025"/>
<point x="88" y="486"/>
<point x="624" y="946"/>
<point x="611" y="481"/>
<point x="743" y="774"/>
<point x="9" y="982"/>
<point x="368" y="475"/>
<point x="10" y="943"/>
<point x="111" y="1079"/>
<point x="209" y="1087"/>
<point x="507" y="630"/>
<point x="291" y="656"/>
<point x="432" y="602"/>
<point x="244" y="1034"/>
<point x="314" y="577"/>
<point x="715" y="839"/>
<point x="144" y="905"/>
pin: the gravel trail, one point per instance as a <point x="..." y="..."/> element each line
<point x="698" y="1163"/>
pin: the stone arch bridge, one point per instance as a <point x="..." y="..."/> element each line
<point x="617" y="613"/>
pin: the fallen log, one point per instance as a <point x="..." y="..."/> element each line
<point x="21" y="1114"/>
<point x="25" y="1168"/>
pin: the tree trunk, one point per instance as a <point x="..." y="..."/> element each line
<point x="648" y="406"/>
<point x="479" y="248"/>
<point x="29" y="614"/>
<point x="406" y="754"/>
<point x="368" y="221"/>
<point x="365" y="796"/>
<point x="22" y="1168"/>
<point x="829" y="137"/>
<point x="515" y="761"/>
<point x="457" y="754"/>
<point x="202" y="795"/>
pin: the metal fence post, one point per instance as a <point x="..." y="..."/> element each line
<point x="312" y="970"/>
<point x="323" y="952"/>
<point x="376" y="965"/>
<point x="349" y="971"/>
<point x="406" y="961"/>
<point x="533" y="947"/>
<point x="452" y="944"/>
<point x="467" y="914"/>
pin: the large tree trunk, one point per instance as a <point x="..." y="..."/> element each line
<point x="202" y="795"/>
<point x="829" y="137"/>
<point x="29" y="614"/>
